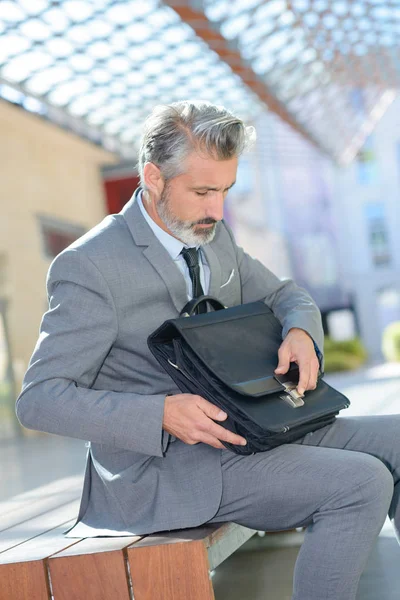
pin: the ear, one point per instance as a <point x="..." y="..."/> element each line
<point x="153" y="179"/>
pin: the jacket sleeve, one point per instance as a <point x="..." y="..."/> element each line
<point x="76" y="334"/>
<point x="291" y="304"/>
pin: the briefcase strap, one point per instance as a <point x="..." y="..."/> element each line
<point x="190" y="307"/>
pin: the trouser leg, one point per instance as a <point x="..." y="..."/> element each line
<point x="341" y="496"/>
<point x="378" y="436"/>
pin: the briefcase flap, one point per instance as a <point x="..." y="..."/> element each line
<point x="239" y="345"/>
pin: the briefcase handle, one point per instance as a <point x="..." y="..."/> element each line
<point x="189" y="308"/>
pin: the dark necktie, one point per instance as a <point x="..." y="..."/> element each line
<point x="191" y="257"/>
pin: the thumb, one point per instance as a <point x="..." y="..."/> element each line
<point x="213" y="411"/>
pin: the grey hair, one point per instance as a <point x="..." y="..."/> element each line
<point x="173" y="131"/>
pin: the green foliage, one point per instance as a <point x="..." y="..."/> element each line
<point x="391" y="342"/>
<point x="343" y="356"/>
<point x="354" y="347"/>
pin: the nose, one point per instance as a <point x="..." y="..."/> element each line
<point x="215" y="207"/>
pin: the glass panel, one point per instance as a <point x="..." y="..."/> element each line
<point x="67" y="48"/>
<point x="10" y="12"/>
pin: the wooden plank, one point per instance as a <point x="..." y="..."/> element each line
<point x="93" y="569"/>
<point x="22" y="532"/>
<point x="39" y="501"/>
<point x="27" y="581"/>
<point x="175" y="565"/>
<point x="23" y="569"/>
<point x="171" y="571"/>
<point x="39" y="547"/>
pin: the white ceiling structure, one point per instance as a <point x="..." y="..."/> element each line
<point x="329" y="68"/>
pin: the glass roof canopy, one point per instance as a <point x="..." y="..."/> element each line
<point x="100" y="66"/>
<point x="107" y="63"/>
<point x="334" y="64"/>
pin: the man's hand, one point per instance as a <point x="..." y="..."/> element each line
<point x="298" y="347"/>
<point x="191" y="419"/>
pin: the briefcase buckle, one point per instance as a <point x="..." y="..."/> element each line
<point x="292" y="397"/>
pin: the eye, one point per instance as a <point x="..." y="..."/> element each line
<point x="201" y="193"/>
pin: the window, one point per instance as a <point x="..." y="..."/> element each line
<point x="377" y="234"/>
<point x="57" y="235"/>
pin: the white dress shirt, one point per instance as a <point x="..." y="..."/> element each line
<point x="174" y="247"/>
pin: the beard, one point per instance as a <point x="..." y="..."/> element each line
<point x="185" y="230"/>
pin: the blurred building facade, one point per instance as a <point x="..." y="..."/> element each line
<point x="367" y="214"/>
<point x="51" y="193"/>
<point x="334" y="230"/>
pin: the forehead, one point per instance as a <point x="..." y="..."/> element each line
<point x="205" y="170"/>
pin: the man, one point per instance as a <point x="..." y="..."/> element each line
<point x="156" y="460"/>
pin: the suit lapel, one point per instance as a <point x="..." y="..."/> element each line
<point x="215" y="270"/>
<point x="169" y="273"/>
<point x="155" y="253"/>
<point x="159" y="258"/>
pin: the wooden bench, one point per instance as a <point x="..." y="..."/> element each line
<point x="37" y="562"/>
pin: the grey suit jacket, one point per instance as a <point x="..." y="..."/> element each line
<point x="92" y="376"/>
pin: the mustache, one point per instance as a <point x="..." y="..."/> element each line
<point x="205" y="222"/>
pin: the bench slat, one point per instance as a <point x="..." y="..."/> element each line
<point x="24" y="581"/>
<point x="23" y="569"/>
<point x="39" y="501"/>
<point x="92" y="569"/>
<point x="176" y="565"/>
<point x="98" y="544"/>
<point x="177" y="571"/>
<point x="13" y="536"/>
<point x="39" y="547"/>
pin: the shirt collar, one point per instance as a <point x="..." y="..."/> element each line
<point x="173" y="246"/>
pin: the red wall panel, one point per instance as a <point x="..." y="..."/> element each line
<point x="119" y="192"/>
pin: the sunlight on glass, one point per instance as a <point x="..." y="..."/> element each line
<point x="42" y="82"/>
<point x="59" y="48"/>
<point x="79" y="34"/>
<point x="87" y="102"/>
<point x="11" y="45"/>
<point x="33" y="7"/>
<point x="138" y="32"/>
<point x="232" y="28"/>
<point x="153" y="67"/>
<point x="100" y="50"/>
<point x="217" y="11"/>
<point x="57" y="20"/>
<point x="35" y="30"/>
<point x="10" y="12"/>
<point x="63" y="94"/>
<point x="78" y="10"/>
<point x="22" y="66"/>
<point x="99" y="28"/>
<point x="118" y="65"/>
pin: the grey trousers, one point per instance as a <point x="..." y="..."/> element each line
<point x="339" y="482"/>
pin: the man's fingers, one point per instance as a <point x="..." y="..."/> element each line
<point x="211" y="428"/>
<point x="224" y="434"/>
<point x="304" y="369"/>
<point x="212" y="411"/>
<point x="212" y="441"/>
<point x="284" y="361"/>
<point x="312" y="384"/>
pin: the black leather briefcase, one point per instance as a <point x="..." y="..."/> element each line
<point x="228" y="356"/>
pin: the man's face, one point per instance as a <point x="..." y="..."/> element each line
<point x="191" y="204"/>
